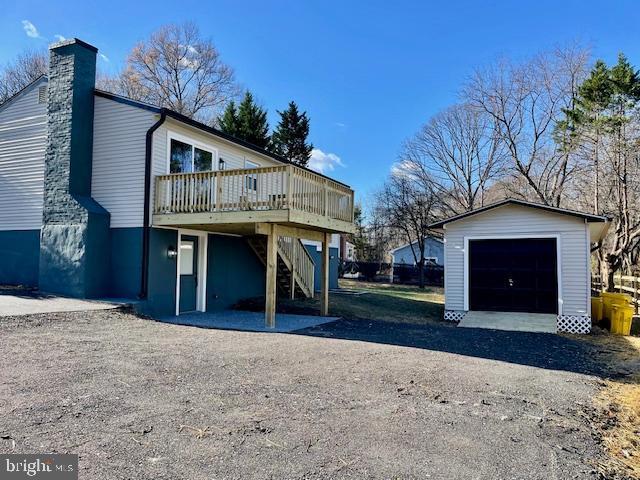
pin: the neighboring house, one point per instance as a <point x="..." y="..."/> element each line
<point x="103" y="196"/>
<point x="347" y="250"/>
<point x="433" y="252"/>
<point x="516" y="256"/>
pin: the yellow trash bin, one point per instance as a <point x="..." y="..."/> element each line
<point x="625" y="317"/>
<point x="609" y="298"/>
<point x="614" y="316"/>
<point x="597" y="306"/>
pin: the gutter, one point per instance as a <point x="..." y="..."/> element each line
<point x="146" y="229"/>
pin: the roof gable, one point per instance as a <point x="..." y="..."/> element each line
<point x="512" y="201"/>
<point x="20" y="93"/>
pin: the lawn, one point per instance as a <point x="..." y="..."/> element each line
<point x="369" y="301"/>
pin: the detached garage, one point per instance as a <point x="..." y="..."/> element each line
<point x="521" y="266"/>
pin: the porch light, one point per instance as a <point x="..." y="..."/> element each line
<point x="172" y="252"/>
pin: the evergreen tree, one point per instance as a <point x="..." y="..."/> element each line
<point x="229" y="122"/>
<point x="252" y="122"/>
<point x="289" y="140"/>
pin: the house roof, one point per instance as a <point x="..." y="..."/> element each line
<point x="432" y="237"/>
<point x="513" y="201"/>
<point x="206" y="128"/>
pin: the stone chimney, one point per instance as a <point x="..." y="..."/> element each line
<point x="74" y="241"/>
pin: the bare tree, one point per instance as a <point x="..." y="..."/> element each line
<point x="527" y="102"/>
<point x="24" y="69"/>
<point x="459" y="152"/>
<point x="179" y="69"/>
<point x="408" y="205"/>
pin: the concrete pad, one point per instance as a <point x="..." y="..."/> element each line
<point x="512" y="321"/>
<point x="25" y="302"/>
<point x="249" y="321"/>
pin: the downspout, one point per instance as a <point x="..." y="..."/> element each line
<point x="146" y="228"/>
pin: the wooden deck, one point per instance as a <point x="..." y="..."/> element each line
<point x="284" y="204"/>
<point x="233" y="200"/>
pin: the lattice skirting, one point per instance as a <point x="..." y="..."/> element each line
<point x="454" y="315"/>
<point x="574" y="323"/>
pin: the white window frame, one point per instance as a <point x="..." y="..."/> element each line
<point x="557" y="237"/>
<point x="171" y="135"/>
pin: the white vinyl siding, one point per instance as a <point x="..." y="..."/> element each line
<point x="512" y="220"/>
<point x="23" y="138"/>
<point x="235" y="156"/>
<point x="117" y="183"/>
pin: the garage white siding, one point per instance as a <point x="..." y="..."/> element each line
<point x="515" y="220"/>
<point x="117" y="183"/>
<point x="23" y="139"/>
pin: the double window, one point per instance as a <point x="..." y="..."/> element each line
<point x="185" y="157"/>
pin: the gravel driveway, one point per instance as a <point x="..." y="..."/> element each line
<point x="146" y="400"/>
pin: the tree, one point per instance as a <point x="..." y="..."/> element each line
<point x="24" y="69"/>
<point x="229" y="122"/>
<point x="587" y="123"/>
<point x="526" y="102"/>
<point x="408" y="205"/>
<point x="359" y="237"/>
<point x="622" y="189"/>
<point x="252" y="122"/>
<point x="289" y="140"/>
<point x="459" y="153"/>
<point x="179" y="69"/>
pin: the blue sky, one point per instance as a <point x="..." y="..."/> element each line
<point x="369" y="73"/>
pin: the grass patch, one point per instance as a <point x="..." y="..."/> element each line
<point x="388" y="302"/>
<point x="619" y="403"/>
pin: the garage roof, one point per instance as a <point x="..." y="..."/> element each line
<point x="513" y="201"/>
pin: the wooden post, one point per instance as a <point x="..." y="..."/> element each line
<point x="635" y="294"/>
<point x="272" y="267"/>
<point x="324" y="273"/>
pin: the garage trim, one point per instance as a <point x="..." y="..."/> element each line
<point x="510" y="237"/>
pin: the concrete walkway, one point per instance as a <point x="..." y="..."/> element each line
<point x="249" y="321"/>
<point x="15" y="302"/>
<point x="513" y="321"/>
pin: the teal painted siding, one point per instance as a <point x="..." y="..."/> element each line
<point x="161" y="297"/>
<point x="19" y="256"/>
<point x="126" y="262"/>
<point x="334" y="262"/>
<point x="234" y="272"/>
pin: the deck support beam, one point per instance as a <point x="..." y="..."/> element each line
<point x="272" y="270"/>
<point x="324" y="273"/>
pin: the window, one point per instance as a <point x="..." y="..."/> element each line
<point x="186" y="257"/>
<point x="187" y="158"/>
<point x="251" y="180"/>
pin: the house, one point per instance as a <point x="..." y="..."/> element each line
<point x="516" y="256"/>
<point x="103" y="196"/>
<point x="407" y="253"/>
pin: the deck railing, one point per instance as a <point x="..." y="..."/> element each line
<point x="303" y="267"/>
<point x="266" y="188"/>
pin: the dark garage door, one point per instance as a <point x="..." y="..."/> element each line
<point x="513" y="275"/>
